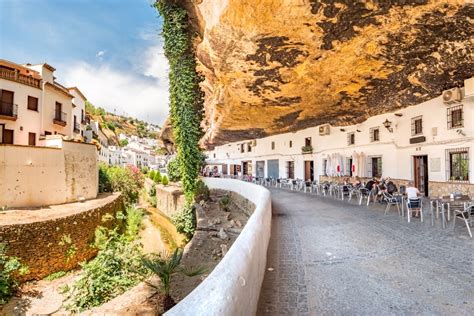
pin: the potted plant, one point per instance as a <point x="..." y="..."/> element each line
<point x="307" y="149"/>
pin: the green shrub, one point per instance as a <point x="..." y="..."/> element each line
<point x="152" y="174"/>
<point x="152" y="196"/>
<point x="9" y="267"/>
<point x="116" y="268"/>
<point x="165" y="180"/>
<point x="173" y="171"/>
<point x="202" y="191"/>
<point x="128" y="181"/>
<point x="224" y="202"/>
<point x="55" y="275"/>
<point x="157" y="178"/>
<point x="185" y="221"/>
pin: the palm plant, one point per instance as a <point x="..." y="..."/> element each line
<point x="165" y="266"/>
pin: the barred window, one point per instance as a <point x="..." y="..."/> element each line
<point x="455" y="116"/>
<point x="374" y="134"/>
<point x="350" y="138"/>
<point x="457" y="164"/>
<point x="417" y="125"/>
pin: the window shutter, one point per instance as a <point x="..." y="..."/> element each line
<point x="369" y="167"/>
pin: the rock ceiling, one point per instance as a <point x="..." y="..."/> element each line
<point x="277" y="66"/>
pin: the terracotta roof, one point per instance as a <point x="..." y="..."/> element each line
<point x="22" y="69"/>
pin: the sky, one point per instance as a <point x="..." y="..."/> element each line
<point x="110" y="49"/>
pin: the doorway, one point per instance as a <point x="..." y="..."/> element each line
<point x="260" y="169"/>
<point x="420" y="168"/>
<point x="309" y="170"/>
<point x="273" y="168"/>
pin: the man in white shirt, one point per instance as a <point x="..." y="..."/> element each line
<point x="413" y="193"/>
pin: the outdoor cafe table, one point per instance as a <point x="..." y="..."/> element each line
<point x="447" y="201"/>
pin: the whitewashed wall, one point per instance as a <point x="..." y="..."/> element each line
<point x="39" y="176"/>
<point x="233" y="287"/>
<point x="394" y="148"/>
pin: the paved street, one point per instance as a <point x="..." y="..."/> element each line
<point x="329" y="257"/>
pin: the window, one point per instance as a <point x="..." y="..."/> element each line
<point x="249" y="147"/>
<point x="417" y="125"/>
<point x="325" y="166"/>
<point x="32" y="103"/>
<point x="307" y="141"/>
<point x="350" y="138"/>
<point x="374" y="134"/>
<point x="377" y="167"/>
<point x="290" y="169"/>
<point x="46" y="133"/>
<point x="7" y="136"/>
<point x="455" y="117"/>
<point x="273" y="145"/>
<point x="32" y="139"/>
<point x="457" y="164"/>
<point x="291" y="144"/>
<point x="242" y="148"/>
<point x="214" y="155"/>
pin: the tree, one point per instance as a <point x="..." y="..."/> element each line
<point x="123" y="142"/>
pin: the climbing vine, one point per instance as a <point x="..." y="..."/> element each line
<point x="186" y="97"/>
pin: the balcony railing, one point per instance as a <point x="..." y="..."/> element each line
<point x="60" y="118"/>
<point x="8" y="111"/>
<point x="16" y="76"/>
<point x="77" y="128"/>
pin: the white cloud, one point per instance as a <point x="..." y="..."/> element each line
<point x="126" y="92"/>
<point x="100" y="54"/>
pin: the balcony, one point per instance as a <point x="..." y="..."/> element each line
<point x="77" y="129"/>
<point x="17" y="77"/>
<point x="60" y="118"/>
<point x="8" y="111"/>
<point x="307" y="149"/>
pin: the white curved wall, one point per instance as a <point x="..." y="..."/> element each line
<point x="233" y="287"/>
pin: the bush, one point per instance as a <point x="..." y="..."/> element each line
<point x="157" y="178"/>
<point x="116" y="268"/>
<point x="9" y="267"/>
<point x="185" y="221"/>
<point x="202" y="191"/>
<point x="152" y="174"/>
<point x="128" y="180"/>
<point x="224" y="203"/>
<point x="173" y="171"/>
<point x="165" y="180"/>
<point x="152" y="196"/>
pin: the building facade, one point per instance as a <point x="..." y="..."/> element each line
<point x="34" y="105"/>
<point x="431" y="143"/>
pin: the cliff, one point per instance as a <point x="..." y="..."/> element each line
<point x="274" y="66"/>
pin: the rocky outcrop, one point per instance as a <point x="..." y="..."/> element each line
<point x="274" y="66"/>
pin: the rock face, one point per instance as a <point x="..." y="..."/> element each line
<point x="274" y="66"/>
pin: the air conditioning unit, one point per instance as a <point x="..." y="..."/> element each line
<point x="452" y="96"/>
<point x="469" y="87"/>
<point x="324" y="130"/>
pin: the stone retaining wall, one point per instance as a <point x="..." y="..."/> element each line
<point x="44" y="245"/>
<point x="169" y="198"/>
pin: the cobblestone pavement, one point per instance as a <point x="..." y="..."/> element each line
<point x="330" y="257"/>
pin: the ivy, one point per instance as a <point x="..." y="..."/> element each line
<point x="186" y="97"/>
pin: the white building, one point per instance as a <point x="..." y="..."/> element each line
<point x="431" y="143"/>
<point x="33" y="104"/>
<point x="78" y="112"/>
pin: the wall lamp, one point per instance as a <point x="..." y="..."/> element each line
<point x="388" y="125"/>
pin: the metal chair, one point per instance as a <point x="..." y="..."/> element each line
<point x="308" y="187"/>
<point x="466" y="215"/>
<point x="365" y="194"/>
<point x="414" y="204"/>
<point x="391" y="200"/>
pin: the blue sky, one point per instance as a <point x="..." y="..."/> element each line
<point x="110" y="49"/>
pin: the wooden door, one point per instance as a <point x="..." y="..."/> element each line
<point x="308" y="170"/>
<point x="8" y="136"/>
<point x="420" y="168"/>
<point x="32" y="139"/>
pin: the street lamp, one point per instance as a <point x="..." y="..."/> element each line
<point x="388" y="125"/>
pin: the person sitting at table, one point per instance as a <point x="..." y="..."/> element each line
<point x="370" y="185"/>
<point x="357" y="183"/>
<point x="391" y="187"/>
<point x="413" y="193"/>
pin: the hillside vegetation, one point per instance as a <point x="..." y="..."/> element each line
<point x="112" y="125"/>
